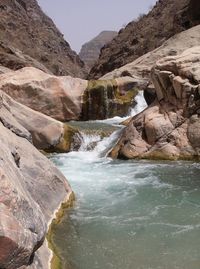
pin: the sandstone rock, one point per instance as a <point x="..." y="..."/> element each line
<point x="67" y="98"/>
<point x="146" y="33"/>
<point x="46" y="133"/>
<point x="31" y="189"/>
<point x="58" y="97"/>
<point x="90" y="51"/>
<point x="30" y="38"/>
<point x="169" y="128"/>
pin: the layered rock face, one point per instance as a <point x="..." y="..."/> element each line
<point x="31" y="190"/>
<point x="66" y="98"/>
<point x="90" y="51"/>
<point x="169" y="128"/>
<point x="26" y="30"/>
<point x="148" y="32"/>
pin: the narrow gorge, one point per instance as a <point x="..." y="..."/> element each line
<point x="100" y="169"/>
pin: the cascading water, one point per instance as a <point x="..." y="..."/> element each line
<point x="139" y="107"/>
<point x="128" y="214"/>
<point x="140" y="104"/>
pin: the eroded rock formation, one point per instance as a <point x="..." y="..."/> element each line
<point x="66" y="98"/>
<point x="108" y="98"/>
<point x="31" y="190"/>
<point x="169" y="128"/>
<point x="44" y="132"/>
<point x="140" y="69"/>
<point x="58" y="97"/>
<point x="146" y="33"/>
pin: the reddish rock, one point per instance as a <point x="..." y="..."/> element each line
<point x="58" y="97"/>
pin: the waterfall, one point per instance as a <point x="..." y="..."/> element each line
<point x="94" y="147"/>
<point x="140" y="106"/>
<point x="106" y="104"/>
<point x="88" y="141"/>
<point x="104" y="146"/>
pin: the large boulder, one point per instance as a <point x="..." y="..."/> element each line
<point x="58" y="97"/>
<point x="169" y="128"/>
<point x="66" y="98"/>
<point x="46" y="133"/>
<point x="31" y="190"/>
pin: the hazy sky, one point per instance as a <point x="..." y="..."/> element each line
<point x="82" y="20"/>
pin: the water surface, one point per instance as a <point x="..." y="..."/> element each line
<point x="130" y="214"/>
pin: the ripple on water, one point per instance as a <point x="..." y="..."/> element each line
<point x="130" y="215"/>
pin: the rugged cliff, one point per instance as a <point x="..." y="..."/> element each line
<point x="29" y="38"/>
<point x="148" y="32"/>
<point x="90" y="51"/>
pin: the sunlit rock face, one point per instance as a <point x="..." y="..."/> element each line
<point x="141" y="68"/>
<point x="168" y="128"/>
<point x="58" y="97"/>
<point x="31" y="190"/>
<point x="146" y="33"/>
<point x="66" y="98"/>
<point x="46" y="133"/>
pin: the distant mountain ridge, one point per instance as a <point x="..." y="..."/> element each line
<point x="90" y="51"/>
<point x="25" y="29"/>
<point x="148" y="32"/>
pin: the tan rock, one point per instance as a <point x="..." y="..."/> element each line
<point x="58" y="97"/>
<point x="31" y="189"/>
<point x="169" y="128"/>
<point x="45" y="133"/>
<point x="67" y="98"/>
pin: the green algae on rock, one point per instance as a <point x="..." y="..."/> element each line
<point x="108" y="98"/>
<point x="56" y="261"/>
